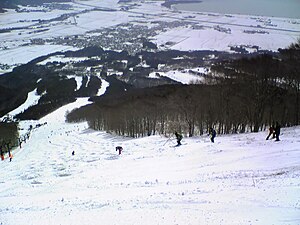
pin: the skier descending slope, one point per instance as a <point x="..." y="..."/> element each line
<point x="1" y="153"/>
<point x="277" y="131"/>
<point x="212" y="134"/>
<point x="179" y="138"/>
<point x="120" y="149"/>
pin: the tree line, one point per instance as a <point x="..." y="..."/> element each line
<point x="8" y="136"/>
<point x="246" y="94"/>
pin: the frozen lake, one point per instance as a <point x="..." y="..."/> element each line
<point x="274" y="8"/>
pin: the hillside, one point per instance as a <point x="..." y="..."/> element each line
<point x="78" y="79"/>
<point x="240" y="179"/>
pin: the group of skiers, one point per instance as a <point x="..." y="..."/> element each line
<point x="212" y="133"/>
<point x="9" y="152"/>
<point x="9" y="146"/>
<point x="274" y="131"/>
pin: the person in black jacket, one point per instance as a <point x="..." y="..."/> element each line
<point x="1" y="153"/>
<point x="212" y="134"/>
<point x="120" y="149"/>
<point x="277" y="131"/>
<point x="178" y="137"/>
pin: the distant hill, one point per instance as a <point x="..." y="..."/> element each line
<point x="11" y="4"/>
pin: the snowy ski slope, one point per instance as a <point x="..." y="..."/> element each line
<point x="240" y="179"/>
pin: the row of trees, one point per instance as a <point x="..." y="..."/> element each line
<point x="8" y="135"/>
<point x="238" y="95"/>
<point x="266" y="88"/>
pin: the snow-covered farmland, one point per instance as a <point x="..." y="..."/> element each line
<point x="201" y="31"/>
<point x="183" y="76"/>
<point x="24" y="54"/>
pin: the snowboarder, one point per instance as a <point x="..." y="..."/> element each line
<point x="271" y="132"/>
<point x="178" y="137"/>
<point x="120" y="149"/>
<point x="277" y="131"/>
<point x="212" y="134"/>
<point x="73" y="153"/>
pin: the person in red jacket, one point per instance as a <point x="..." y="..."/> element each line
<point x="271" y="132"/>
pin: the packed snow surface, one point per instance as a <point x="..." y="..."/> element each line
<point x="239" y="179"/>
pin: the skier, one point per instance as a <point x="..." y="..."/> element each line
<point x="120" y="149"/>
<point x="271" y="132"/>
<point x="277" y="131"/>
<point x="20" y="142"/>
<point x="2" y="154"/>
<point x="178" y="137"/>
<point x="10" y="155"/>
<point x="212" y="134"/>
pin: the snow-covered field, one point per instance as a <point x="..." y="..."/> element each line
<point x="204" y="31"/>
<point x="239" y="179"/>
<point x="184" y="76"/>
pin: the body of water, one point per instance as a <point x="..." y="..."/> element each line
<point x="273" y="8"/>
